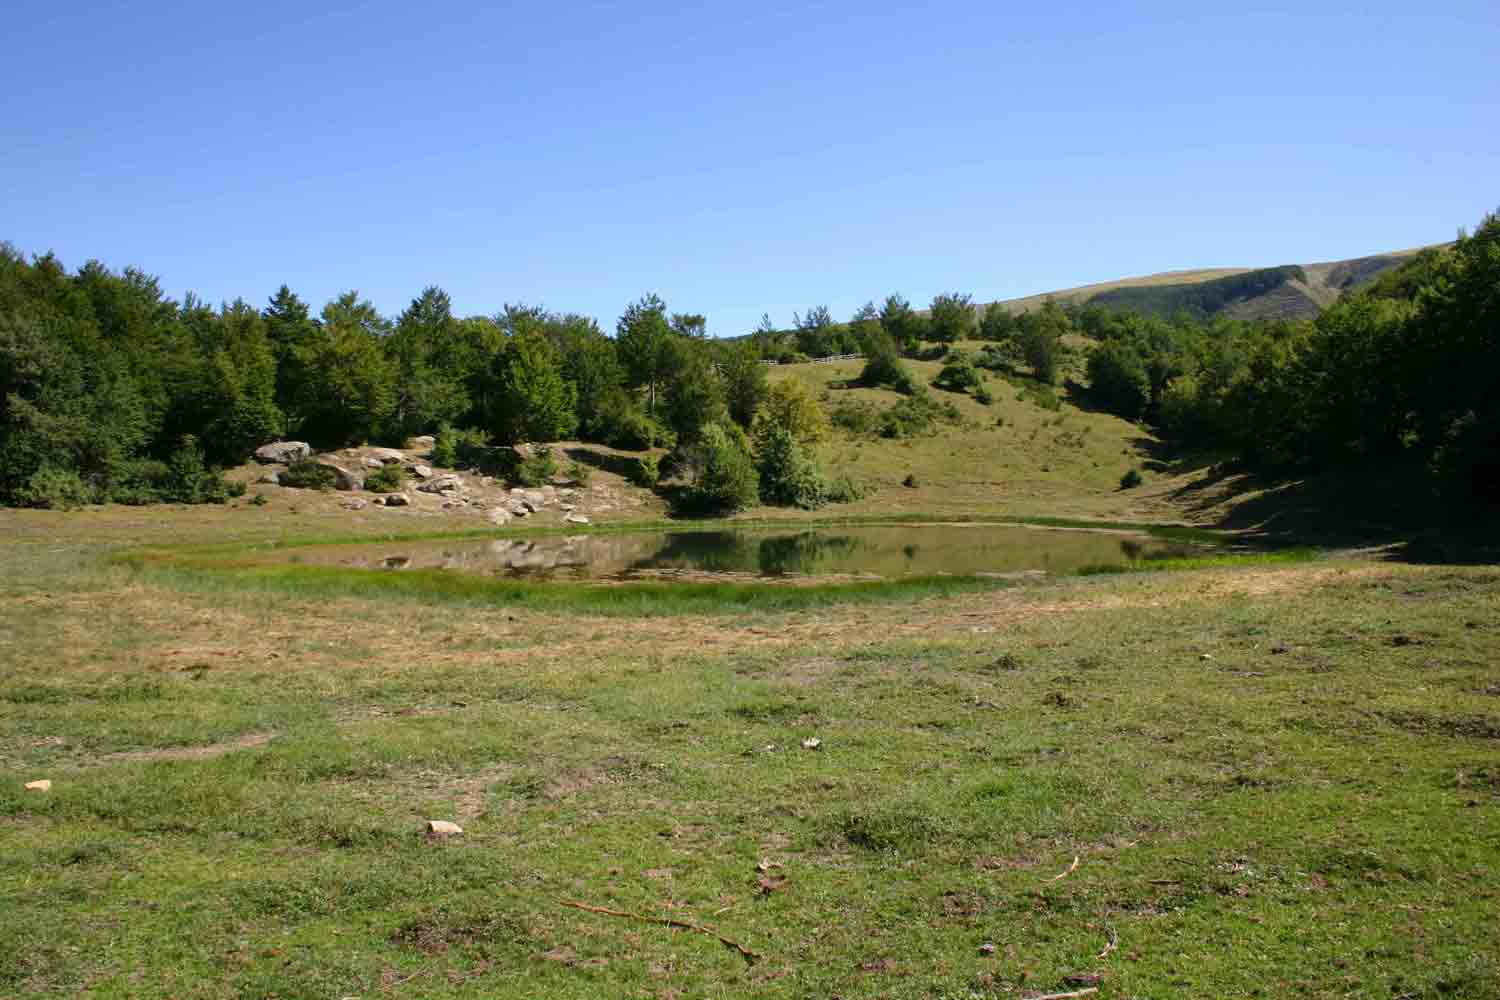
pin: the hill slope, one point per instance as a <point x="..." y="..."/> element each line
<point x="1286" y="292"/>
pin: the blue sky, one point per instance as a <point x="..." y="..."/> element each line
<point x="735" y="158"/>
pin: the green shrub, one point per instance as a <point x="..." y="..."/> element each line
<point x="56" y="489"/>
<point x="788" y="475"/>
<point x="725" y="479"/>
<point x="843" y="489"/>
<point x="857" y="416"/>
<point x="460" y="449"/>
<point x="1042" y="395"/>
<point x="1131" y="479"/>
<point x="917" y="415"/>
<point x="646" y="472"/>
<point x="633" y="430"/>
<point x="386" y="479"/>
<point x="579" y="473"/>
<point x="983" y="396"/>
<point x="307" y="474"/>
<point x="883" y="366"/>
<point x="1002" y="357"/>
<point x="910" y="482"/>
<point x="958" y="374"/>
<point x="139" y="483"/>
<point x="259" y="500"/>
<point x="536" y="469"/>
<point x="187" y="480"/>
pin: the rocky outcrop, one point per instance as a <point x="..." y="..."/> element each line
<point x="343" y="479"/>
<point x="282" y="452"/>
<point x="442" y="484"/>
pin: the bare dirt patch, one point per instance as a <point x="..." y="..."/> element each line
<point x="246" y="742"/>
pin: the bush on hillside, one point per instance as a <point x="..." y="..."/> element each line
<point x="634" y="430"/>
<point x="455" y="448"/>
<point x="917" y="415"/>
<point x="724" y="478"/>
<point x="844" y="489"/>
<point x="958" y="374"/>
<point x="1118" y="379"/>
<point x="386" y="479"/>
<point x="859" y="417"/>
<point x="55" y="488"/>
<point x="307" y="474"/>
<point x="789" y="477"/>
<point x="883" y="366"/>
<point x="646" y="472"/>
<point x="536" y="468"/>
<point x="1000" y="357"/>
<point x="790" y="405"/>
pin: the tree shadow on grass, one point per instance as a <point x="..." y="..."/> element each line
<point x="620" y="465"/>
<point x="1389" y="507"/>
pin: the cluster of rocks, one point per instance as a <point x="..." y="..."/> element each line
<point x="481" y="494"/>
<point x="347" y="467"/>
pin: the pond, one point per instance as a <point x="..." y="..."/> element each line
<point x="855" y="552"/>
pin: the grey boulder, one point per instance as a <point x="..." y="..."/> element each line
<point x="282" y="452"/>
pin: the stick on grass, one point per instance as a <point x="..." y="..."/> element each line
<point x="746" y="953"/>
<point x="1071" y="869"/>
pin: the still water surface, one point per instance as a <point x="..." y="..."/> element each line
<point x="883" y="551"/>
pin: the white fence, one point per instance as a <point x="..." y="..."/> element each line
<point x="816" y="361"/>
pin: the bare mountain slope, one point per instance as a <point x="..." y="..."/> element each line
<point x="1286" y="292"/>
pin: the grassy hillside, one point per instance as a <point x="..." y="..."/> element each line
<point x="1287" y="292"/>
<point x="1016" y="455"/>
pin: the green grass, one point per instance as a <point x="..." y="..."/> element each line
<point x="1278" y="780"/>
<point x="638" y="598"/>
<point x="1015" y="456"/>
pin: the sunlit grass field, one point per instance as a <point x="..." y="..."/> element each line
<point x="1264" y="780"/>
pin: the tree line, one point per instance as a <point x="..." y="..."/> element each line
<point x="1405" y="372"/>
<point x="110" y="390"/>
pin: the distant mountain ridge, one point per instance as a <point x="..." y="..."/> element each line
<point x="1290" y="291"/>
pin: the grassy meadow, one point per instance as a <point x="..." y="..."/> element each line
<point x="1265" y="778"/>
<point x="1015" y="456"/>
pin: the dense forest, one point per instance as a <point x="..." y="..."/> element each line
<point x="110" y="391"/>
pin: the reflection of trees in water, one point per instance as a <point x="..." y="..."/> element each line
<point x="711" y="551"/>
<point x="1136" y="551"/>
<point x="731" y="552"/>
<point x="803" y="553"/>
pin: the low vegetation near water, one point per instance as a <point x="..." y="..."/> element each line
<point x="1252" y="781"/>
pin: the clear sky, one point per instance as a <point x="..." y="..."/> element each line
<point x="735" y="158"/>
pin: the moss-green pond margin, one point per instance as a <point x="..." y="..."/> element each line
<point x="242" y="565"/>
